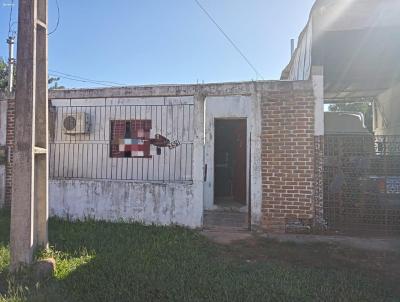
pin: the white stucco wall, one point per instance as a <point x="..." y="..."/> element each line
<point x="149" y="203"/>
<point x="154" y="199"/>
<point x="247" y="107"/>
<point x="3" y="122"/>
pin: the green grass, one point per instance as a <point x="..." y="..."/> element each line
<point x="98" y="261"/>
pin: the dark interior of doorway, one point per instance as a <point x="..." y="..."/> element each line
<point x="230" y="162"/>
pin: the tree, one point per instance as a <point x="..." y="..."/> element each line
<point x="3" y="75"/>
<point x="53" y="81"/>
<point x="364" y="108"/>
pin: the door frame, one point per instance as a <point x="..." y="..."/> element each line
<point x="234" y="107"/>
<point x="240" y="119"/>
<point x="212" y="159"/>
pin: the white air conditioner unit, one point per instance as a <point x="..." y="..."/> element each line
<point x="76" y="123"/>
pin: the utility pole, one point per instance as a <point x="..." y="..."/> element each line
<point x="11" y="62"/>
<point x="29" y="205"/>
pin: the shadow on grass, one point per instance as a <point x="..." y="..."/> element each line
<point x="131" y="262"/>
<point x="4" y="250"/>
<point x="4" y="227"/>
<point x="98" y="261"/>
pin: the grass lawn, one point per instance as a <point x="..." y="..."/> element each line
<point x="98" y="261"/>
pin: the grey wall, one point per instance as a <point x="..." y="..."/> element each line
<point x="149" y="203"/>
<point x="387" y="112"/>
<point x="3" y="122"/>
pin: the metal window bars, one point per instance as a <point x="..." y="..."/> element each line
<point x="81" y="148"/>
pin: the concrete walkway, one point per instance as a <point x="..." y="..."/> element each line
<point x="225" y="236"/>
<point x="370" y="244"/>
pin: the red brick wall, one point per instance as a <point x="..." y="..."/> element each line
<point x="10" y="148"/>
<point x="287" y="159"/>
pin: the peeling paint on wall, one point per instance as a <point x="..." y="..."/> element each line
<point x="149" y="203"/>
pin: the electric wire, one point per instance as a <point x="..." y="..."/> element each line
<point x="107" y="83"/>
<point x="258" y="74"/>
<point x="12" y="26"/>
<point x="77" y="80"/>
<point x="58" y="19"/>
<point x="63" y="74"/>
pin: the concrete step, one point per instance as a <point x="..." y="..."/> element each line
<point x="225" y="220"/>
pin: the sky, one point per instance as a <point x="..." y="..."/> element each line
<point x="139" y="42"/>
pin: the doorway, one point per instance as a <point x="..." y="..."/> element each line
<point x="230" y="182"/>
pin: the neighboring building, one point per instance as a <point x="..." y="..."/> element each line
<point x="356" y="43"/>
<point x="387" y="112"/>
<point x="345" y="123"/>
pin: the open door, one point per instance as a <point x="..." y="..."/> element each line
<point x="230" y="162"/>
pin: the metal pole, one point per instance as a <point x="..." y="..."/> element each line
<point x="291" y="47"/>
<point x="11" y="62"/>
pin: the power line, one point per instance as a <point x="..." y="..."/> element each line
<point x="77" y="80"/>
<point x="58" y="19"/>
<point x="229" y="39"/>
<point x="105" y="83"/>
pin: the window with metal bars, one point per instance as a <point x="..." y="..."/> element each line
<point x="130" y="138"/>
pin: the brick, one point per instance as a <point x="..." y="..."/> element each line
<point x="10" y="136"/>
<point x="288" y="149"/>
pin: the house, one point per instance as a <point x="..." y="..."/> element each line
<point x="177" y="154"/>
<point x="247" y="154"/>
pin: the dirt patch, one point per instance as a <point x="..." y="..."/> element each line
<point x="315" y="254"/>
<point x="254" y="248"/>
<point x="226" y="237"/>
<point x="387" y="244"/>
